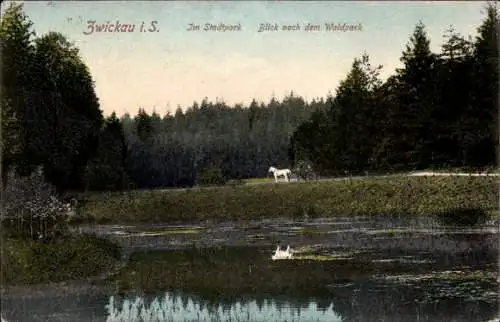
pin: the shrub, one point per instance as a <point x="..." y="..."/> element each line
<point x="211" y="176"/>
<point x="304" y="170"/>
<point x="31" y="208"/>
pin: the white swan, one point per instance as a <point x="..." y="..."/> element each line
<point x="280" y="254"/>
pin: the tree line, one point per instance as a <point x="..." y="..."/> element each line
<point x="438" y="110"/>
<point x="229" y="142"/>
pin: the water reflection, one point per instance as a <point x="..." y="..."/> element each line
<point x="424" y="286"/>
<point x="172" y="307"/>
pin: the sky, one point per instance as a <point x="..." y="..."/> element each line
<point x="171" y="66"/>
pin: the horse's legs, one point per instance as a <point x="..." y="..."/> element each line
<point x="276" y="177"/>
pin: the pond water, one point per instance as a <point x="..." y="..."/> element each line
<point x="343" y="269"/>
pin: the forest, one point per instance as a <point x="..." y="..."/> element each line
<point x="440" y="110"/>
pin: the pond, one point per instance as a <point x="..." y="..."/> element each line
<point x="342" y="269"/>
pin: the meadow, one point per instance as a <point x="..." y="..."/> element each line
<point x="400" y="195"/>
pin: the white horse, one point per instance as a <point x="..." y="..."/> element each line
<point x="280" y="173"/>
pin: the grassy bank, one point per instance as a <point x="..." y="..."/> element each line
<point x="71" y="258"/>
<point x="398" y="195"/>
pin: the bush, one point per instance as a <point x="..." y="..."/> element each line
<point x="304" y="170"/>
<point x="31" y="208"/>
<point x="211" y="176"/>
